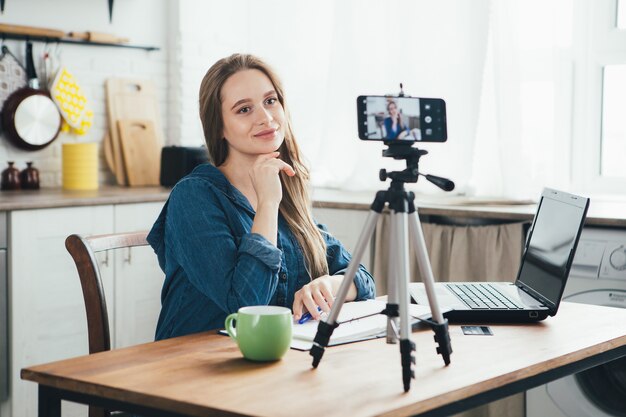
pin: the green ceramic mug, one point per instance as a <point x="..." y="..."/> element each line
<point x="263" y="333"/>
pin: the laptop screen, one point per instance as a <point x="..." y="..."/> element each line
<point x="554" y="236"/>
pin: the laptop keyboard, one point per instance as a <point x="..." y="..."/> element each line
<point x="483" y="296"/>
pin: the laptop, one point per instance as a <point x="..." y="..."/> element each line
<point x="546" y="262"/>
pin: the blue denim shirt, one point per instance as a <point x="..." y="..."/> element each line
<point x="214" y="265"/>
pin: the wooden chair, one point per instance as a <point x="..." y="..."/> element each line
<point x="83" y="250"/>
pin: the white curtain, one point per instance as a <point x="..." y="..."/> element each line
<point x="329" y="52"/>
<point x="435" y="48"/>
<point x="523" y="138"/>
<point x="504" y="67"/>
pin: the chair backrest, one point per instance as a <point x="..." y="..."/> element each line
<point x="83" y="250"/>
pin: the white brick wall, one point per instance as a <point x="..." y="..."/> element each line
<point x="145" y="22"/>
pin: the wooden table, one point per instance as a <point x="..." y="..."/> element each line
<point x="204" y="374"/>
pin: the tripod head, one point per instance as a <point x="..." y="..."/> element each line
<point x="406" y="151"/>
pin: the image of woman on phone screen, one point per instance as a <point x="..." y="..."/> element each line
<point x="239" y="230"/>
<point x="394" y="126"/>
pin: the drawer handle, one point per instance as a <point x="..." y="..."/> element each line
<point x="105" y="262"/>
<point x="127" y="259"/>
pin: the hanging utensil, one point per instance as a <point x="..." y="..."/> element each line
<point x="12" y="74"/>
<point x="110" y="11"/>
<point x="30" y="117"/>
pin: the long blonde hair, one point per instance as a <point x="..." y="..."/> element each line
<point x="296" y="204"/>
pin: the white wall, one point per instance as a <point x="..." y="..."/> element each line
<point x="145" y="22"/>
<point x="317" y="49"/>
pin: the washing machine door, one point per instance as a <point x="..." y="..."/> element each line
<point x="599" y="391"/>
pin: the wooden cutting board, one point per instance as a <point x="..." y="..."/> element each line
<point x="129" y="99"/>
<point x="108" y="152"/>
<point x="141" y="151"/>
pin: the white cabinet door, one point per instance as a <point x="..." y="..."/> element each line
<point x="138" y="279"/>
<point x="345" y="225"/>
<point x="47" y="312"/>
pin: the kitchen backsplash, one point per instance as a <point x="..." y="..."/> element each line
<point x="91" y="66"/>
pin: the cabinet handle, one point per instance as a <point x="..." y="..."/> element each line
<point x="127" y="259"/>
<point x="105" y="262"/>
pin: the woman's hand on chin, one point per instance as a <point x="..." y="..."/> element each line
<point x="265" y="179"/>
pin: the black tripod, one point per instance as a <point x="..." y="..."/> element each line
<point x="402" y="225"/>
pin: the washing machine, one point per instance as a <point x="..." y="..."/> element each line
<point x="598" y="276"/>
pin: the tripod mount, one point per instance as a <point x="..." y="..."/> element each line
<point x="405" y="222"/>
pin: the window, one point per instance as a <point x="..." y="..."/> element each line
<point x="599" y="126"/>
<point x="613" y="124"/>
<point x="621" y="14"/>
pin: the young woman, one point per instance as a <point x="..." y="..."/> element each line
<point x="394" y="126"/>
<point x="239" y="231"/>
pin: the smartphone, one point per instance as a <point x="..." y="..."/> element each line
<point x="391" y="118"/>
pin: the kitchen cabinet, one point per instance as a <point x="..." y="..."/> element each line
<point x="138" y="279"/>
<point x="47" y="313"/>
<point x="4" y="319"/>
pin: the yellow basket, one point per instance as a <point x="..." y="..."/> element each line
<point x="80" y="166"/>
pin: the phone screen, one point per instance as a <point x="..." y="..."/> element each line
<point x="390" y="118"/>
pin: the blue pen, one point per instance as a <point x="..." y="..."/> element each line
<point x="306" y="317"/>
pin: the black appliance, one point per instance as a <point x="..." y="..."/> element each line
<point x="178" y="161"/>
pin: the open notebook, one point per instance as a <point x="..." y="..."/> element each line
<point x="361" y="329"/>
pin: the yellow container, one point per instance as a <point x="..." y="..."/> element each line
<point x="80" y="166"/>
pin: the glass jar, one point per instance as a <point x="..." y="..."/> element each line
<point x="10" y="178"/>
<point x="29" y="177"/>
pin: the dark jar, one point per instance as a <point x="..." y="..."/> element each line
<point x="10" y="178"/>
<point x="30" y="177"/>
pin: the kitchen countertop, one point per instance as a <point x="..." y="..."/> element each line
<point x="601" y="213"/>
<point x="57" y="197"/>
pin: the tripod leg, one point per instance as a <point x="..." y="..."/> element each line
<point x="325" y="328"/>
<point x="407" y="347"/>
<point x="442" y="337"/>
<point x="392" y="284"/>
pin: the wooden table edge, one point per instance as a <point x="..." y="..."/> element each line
<point x="441" y="405"/>
<point x="497" y="390"/>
